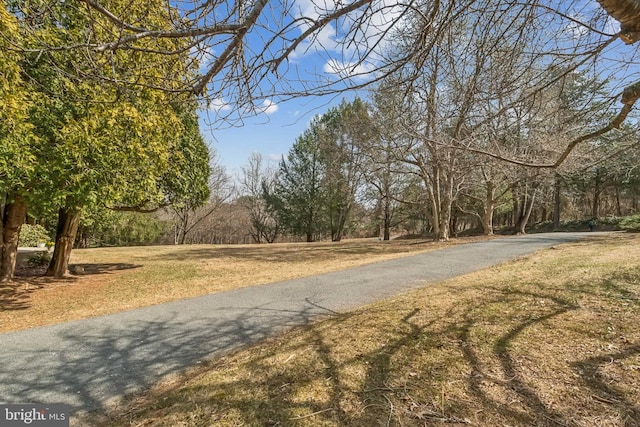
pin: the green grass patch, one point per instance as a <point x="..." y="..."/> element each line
<point x="613" y="223"/>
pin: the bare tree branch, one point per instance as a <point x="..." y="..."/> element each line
<point x="629" y="98"/>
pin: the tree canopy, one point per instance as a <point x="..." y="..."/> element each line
<point x="90" y="143"/>
<point x="249" y="51"/>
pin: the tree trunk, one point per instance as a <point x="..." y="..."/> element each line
<point x="13" y="216"/>
<point x="445" y="219"/>
<point x="487" y="221"/>
<point x="522" y="208"/>
<point x="446" y="206"/>
<point x="68" y="221"/>
<point x="453" y="225"/>
<point x="435" y="208"/>
<point x="183" y="237"/>
<point x="627" y="12"/>
<point x="337" y="226"/>
<point x="386" y="233"/>
<point x="337" y="234"/>
<point x="489" y="207"/>
<point x="309" y="226"/>
<point x="525" y="214"/>
<point x="82" y="239"/>
<point x="515" y="211"/>
<point x="556" y="203"/>
<point x="595" y="208"/>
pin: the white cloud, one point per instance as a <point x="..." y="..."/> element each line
<point x="374" y="30"/>
<point x="205" y="55"/>
<point x="219" y="104"/>
<point x="381" y="15"/>
<point x="267" y="107"/>
<point x="325" y="39"/>
<point x="348" y="69"/>
<point x="575" y="29"/>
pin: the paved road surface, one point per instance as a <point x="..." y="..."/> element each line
<point x="88" y="363"/>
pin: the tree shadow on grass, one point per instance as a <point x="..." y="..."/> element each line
<point x="531" y="407"/>
<point x="101" y="268"/>
<point x="272" y="393"/>
<point x="604" y="391"/>
<point x="275" y="383"/>
<point x="12" y="299"/>
<point x="532" y="410"/>
<point x="16" y="294"/>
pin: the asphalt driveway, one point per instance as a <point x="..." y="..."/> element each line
<point x="87" y="363"/>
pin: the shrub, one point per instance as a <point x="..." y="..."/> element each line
<point x="39" y="259"/>
<point x="609" y="223"/>
<point x="631" y="223"/>
<point x="33" y="235"/>
<point x="107" y="228"/>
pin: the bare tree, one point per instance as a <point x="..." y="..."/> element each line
<point x="255" y="177"/>
<point x="188" y="218"/>
<point x="246" y="52"/>
<point x="486" y="190"/>
<point x="385" y="177"/>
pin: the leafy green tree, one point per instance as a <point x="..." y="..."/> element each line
<point x="298" y="199"/>
<point x="105" y="143"/>
<point x="17" y="163"/>
<point x="343" y="133"/>
<point x="104" y="227"/>
<point x="316" y="186"/>
<point x="34" y="236"/>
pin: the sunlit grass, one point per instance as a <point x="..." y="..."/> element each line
<point x="117" y="279"/>
<point x="548" y="340"/>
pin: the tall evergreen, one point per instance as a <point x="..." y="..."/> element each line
<point x="298" y="198"/>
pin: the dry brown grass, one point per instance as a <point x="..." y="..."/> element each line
<point x="548" y="340"/>
<point x="117" y="279"/>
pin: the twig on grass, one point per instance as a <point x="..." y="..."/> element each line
<point x="604" y="400"/>
<point x="301" y="417"/>
<point x="560" y="423"/>
<point x="436" y="416"/>
<point x="390" y="409"/>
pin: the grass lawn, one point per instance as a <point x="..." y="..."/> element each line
<point x="117" y="279"/>
<point x="547" y="340"/>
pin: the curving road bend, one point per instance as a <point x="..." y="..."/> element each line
<point x="90" y="363"/>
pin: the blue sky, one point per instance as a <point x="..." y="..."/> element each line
<point x="323" y="59"/>
<point x="271" y="133"/>
<point x="274" y="130"/>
